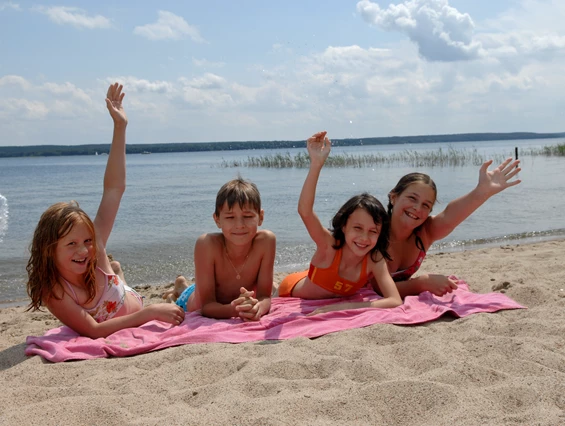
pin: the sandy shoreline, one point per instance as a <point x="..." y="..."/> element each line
<point x="502" y="368"/>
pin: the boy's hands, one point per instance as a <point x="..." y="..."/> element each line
<point x="246" y="306"/>
<point x="114" y="99"/>
<point x="319" y="147"/>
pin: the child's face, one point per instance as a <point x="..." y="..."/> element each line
<point x="239" y="225"/>
<point x="361" y="232"/>
<point x="74" y="250"/>
<point x="414" y="204"/>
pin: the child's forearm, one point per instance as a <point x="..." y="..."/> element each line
<point x="218" y="310"/>
<point x="104" y="329"/>
<point x="411" y="287"/>
<point x="264" y="306"/>
<point x="386" y="303"/>
<point x="115" y="175"/>
<point x="308" y="193"/>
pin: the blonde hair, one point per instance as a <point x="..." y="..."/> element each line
<point x="55" y="223"/>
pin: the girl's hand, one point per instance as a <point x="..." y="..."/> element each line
<point x="166" y="312"/>
<point x="114" y="99"/>
<point x="439" y="284"/>
<point x="319" y="147"/>
<point x="494" y="181"/>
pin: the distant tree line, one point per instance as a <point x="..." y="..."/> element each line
<point x="57" y="150"/>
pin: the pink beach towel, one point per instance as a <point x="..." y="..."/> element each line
<point x="286" y="320"/>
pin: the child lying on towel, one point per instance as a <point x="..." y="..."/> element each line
<point x="350" y="254"/>
<point x="233" y="268"/>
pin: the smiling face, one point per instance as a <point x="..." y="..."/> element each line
<point x="413" y="205"/>
<point x="238" y="224"/>
<point x="361" y="232"/>
<point x="74" y="251"/>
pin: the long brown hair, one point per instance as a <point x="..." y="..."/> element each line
<point x="56" y="222"/>
<point x="404" y="182"/>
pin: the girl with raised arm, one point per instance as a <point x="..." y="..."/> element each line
<point x="69" y="271"/>
<point x="349" y="254"/>
<point x="413" y="229"/>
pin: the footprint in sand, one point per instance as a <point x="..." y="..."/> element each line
<point x="501" y="286"/>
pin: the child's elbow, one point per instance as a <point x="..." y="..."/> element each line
<point x="95" y="333"/>
<point x="304" y="213"/>
<point x="396" y="302"/>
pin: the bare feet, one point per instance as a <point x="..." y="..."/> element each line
<point x="117" y="268"/>
<point x="181" y="284"/>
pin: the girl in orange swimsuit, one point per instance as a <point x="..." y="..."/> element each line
<point x="348" y="255"/>
<point x="69" y="271"/>
<point x="413" y="229"/>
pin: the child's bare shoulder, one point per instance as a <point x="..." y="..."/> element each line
<point x="210" y="241"/>
<point x="264" y="236"/>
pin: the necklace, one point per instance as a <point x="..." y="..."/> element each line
<point x="237" y="273"/>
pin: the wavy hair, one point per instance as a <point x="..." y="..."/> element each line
<point x="55" y="223"/>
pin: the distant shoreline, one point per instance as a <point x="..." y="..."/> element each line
<point x="155" y="148"/>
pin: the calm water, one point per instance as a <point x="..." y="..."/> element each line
<point x="170" y="200"/>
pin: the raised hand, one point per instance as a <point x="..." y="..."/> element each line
<point x="494" y="181"/>
<point x="319" y="147"/>
<point x="114" y="99"/>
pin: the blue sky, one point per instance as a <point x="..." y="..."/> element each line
<point x="267" y="70"/>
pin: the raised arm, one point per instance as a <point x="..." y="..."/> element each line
<point x="490" y="183"/>
<point x="115" y="174"/>
<point x="318" y="148"/>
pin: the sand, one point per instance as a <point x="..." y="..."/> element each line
<point x="506" y="368"/>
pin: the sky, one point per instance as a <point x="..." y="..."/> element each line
<point x="206" y="71"/>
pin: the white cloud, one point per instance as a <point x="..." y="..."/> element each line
<point x="9" y="5"/>
<point x="23" y="109"/>
<point x="168" y="26"/>
<point x="204" y="63"/>
<point x="440" y="31"/>
<point x="140" y="85"/>
<point x="67" y="89"/>
<point x="14" y="80"/>
<point x="76" y="17"/>
<point x="207" y="81"/>
<point x="24" y="101"/>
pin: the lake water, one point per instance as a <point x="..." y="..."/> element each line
<point x="170" y="199"/>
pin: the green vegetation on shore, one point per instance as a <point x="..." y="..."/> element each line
<point x="57" y="150"/>
<point x="549" y="151"/>
<point x="438" y="158"/>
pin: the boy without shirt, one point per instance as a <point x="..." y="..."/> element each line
<point x="233" y="268"/>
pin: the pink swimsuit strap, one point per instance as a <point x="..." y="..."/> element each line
<point x="111" y="300"/>
<point x="411" y="270"/>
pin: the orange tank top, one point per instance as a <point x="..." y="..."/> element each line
<point x="329" y="279"/>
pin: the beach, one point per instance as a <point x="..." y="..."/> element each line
<point x="503" y="368"/>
